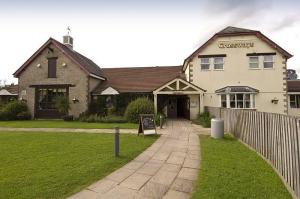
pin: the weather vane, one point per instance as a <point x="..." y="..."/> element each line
<point x="68" y="30"/>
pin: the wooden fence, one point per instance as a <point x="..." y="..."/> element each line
<point x="275" y="136"/>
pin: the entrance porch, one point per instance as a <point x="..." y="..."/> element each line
<point x="179" y="99"/>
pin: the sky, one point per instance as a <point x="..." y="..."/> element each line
<point x="132" y="33"/>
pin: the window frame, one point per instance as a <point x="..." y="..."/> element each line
<point x="264" y="61"/>
<point x="234" y="100"/>
<point x="296" y="101"/>
<point x="52" y="67"/>
<point x="222" y="63"/>
<point x="202" y="63"/>
<point x="251" y="62"/>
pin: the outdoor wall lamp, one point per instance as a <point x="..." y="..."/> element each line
<point x="64" y="64"/>
<point x="38" y="65"/>
<point x="75" y="100"/>
<point x="274" y="101"/>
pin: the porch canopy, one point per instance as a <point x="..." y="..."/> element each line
<point x="179" y="86"/>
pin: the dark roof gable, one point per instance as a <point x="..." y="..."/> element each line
<point x="83" y="62"/>
<point x="230" y="30"/>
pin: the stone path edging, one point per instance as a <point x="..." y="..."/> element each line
<point x="167" y="169"/>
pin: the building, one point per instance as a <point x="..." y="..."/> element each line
<point x="232" y="69"/>
<point x="8" y="93"/>
<point x="293" y="88"/>
<point x="240" y="68"/>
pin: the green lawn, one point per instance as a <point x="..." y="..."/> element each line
<point x="230" y="170"/>
<point x="63" y="124"/>
<point x="55" y="165"/>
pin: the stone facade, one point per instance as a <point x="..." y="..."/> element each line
<point x="69" y="74"/>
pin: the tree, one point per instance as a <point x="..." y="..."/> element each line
<point x="292" y="74"/>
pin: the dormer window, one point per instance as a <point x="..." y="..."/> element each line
<point x="52" y="67"/>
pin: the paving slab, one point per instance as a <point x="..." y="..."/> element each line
<point x="135" y="181"/>
<point x="188" y="174"/>
<point x="167" y="169"/>
<point x="183" y="185"/>
<point x="176" y="195"/>
<point x="102" y="186"/>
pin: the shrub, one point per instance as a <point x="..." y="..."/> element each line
<point x="113" y="119"/>
<point x="62" y="104"/>
<point x="139" y="106"/>
<point x="15" y="110"/>
<point x="157" y="118"/>
<point x="204" y="119"/>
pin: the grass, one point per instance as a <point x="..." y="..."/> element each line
<point x="231" y="170"/>
<point x="56" y="165"/>
<point x="64" y="124"/>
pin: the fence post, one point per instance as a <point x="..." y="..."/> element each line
<point x="116" y="141"/>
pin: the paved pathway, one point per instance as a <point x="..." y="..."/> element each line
<point x="168" y="169"/>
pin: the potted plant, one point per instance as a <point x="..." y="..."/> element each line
<point x="62" y="104"/>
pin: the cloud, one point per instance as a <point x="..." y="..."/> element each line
<point x="286" y="22"/>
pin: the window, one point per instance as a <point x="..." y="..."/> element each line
<point x="240" y="100"/>
<point x="295" y="101"/>
<point x="254" y="62"/>
<point x="223" y="101"/>
<point x="47" y="96"/>
<point x="268" y="61"/>
<point x="218" y="63"/>
<point x="204" y="63"/>
<point x="52" y="67"/>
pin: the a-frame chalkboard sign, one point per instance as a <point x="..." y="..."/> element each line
<point x="147" y="124"/>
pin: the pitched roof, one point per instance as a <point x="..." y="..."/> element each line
<point x="234" y="31"/>
<point x="231" y="29"/>
<point x="83" y="62"/>
<point x="293" y="85"/>
<point x="137" y="79"/>
<point x="237" y="89"/>
<point x="13" y="88"/>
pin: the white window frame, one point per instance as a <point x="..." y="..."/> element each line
<point x="251" y="62"/>
<point x="222" y="100"/>
<point x="272" y="61"/>
<point x="215" y="63"/>
<point x="204" y="63"/>
<point x="251" y="100"/>
<point x="297" y="105"/>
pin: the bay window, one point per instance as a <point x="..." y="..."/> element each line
<point x="223" y="101"/>
<point x="238" y="100"/>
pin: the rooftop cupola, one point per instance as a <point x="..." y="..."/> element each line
<point x="67" y="39"/>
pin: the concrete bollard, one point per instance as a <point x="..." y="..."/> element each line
<point x="217" y="128"/>
<point x="117" y="137"/>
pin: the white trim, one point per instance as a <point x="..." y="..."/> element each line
<point x="178" y="91"/>
<point x="109" y="91"/>
<point x="97" y="77"/>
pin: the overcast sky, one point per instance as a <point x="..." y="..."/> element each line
<point x="122" y="33"/>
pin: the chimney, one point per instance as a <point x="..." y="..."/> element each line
<point x="67" y="39"/>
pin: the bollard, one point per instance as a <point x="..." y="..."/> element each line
<point x="116" y="141"/>
<point x="161" y="121"/>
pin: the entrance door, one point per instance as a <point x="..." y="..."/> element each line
<point x="172" y="107"/>
<point x="183" y="107"/>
